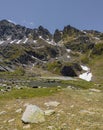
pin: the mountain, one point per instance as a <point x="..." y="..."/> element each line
<point x="28" y="50"/>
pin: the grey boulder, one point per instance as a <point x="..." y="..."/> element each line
<point x="33" y="114"/>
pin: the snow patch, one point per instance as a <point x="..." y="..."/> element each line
<point x="68" y="57"/>
<point x="48" y="41"/>
<point x="68" y="50"/>
<point x="25" y="40"/>
<point x="9" y="38"/>
<point x="11" y="21"/>
<point x="85" y="68"/>
<point x="97" y="38"/>
<point x="40" y="37"/>
<point x="86" y="76"/>
<point x="51" y="42"/>
<point x="35" y="41"/>
<point x="84" y="32"/>
<point x="18" y="41"/>
<point x="1" y="42"/>
<point x="13" y="41"/>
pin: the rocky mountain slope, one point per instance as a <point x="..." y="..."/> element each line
<point x="61" y="53"/>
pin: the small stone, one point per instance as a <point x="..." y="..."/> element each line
<point x="11" y="120"/>
<point x="2" y="112"/>
<point x="5" y="121"/>
<point x="64" y="124"/>
<point x="19" y="110"/>
<point x="52" y="103"/>
<point x="58" y="86"/>
<point x="95" y="90"/>
<point x="1" y="128"/>
<point x="61" y="111"/>
<point x="50" y="127"/>
<point x="26" y="126"/>
<point x="87" y="112"/>
<point x="49" y="112"/>
<point x="72" y="106"/>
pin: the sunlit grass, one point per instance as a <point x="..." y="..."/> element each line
<point x="28" y="93"/>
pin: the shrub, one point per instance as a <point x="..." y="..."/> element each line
<point x="98" y="49"/>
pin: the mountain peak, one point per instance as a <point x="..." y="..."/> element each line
<point x="6" y="22"/>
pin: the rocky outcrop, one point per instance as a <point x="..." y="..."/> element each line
<point x="10" y="30"/>
<point x="70" y="31"/>
<point x="71" y="70"/>
<point x="21" y="46"/>
<point x="68" y="71"/>
<point x="57" y="36"/>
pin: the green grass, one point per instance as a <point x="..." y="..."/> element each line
<point x="28" y="93"/>
<point x="79" y="84"/>
<point x="78" y="109"/>
<point x="96" y="65"/>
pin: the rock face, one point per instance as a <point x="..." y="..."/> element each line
<point x="31" y="48"/>
<point x="33" y="114"/>
<point x="68" y="71"/>
<point x="57" y="35"/>
<point x="8" y="29"/>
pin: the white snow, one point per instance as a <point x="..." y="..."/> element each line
<point x="40" y="37"/>
<point x="86" y="76"/>
<point x="97" y="38"/>
<point x="13" y="41"/>
<point x="85" y="68"/>
<point x="84" y="32"/>
<point x="1" y="42"/>
<point x="11" y="21"/>
<point x="47" y="39"/>
<point x="25" y="40"/>
<point x="68" y="50"/>
<point x="9" y="38"/>
<point x="51" y="42"/>
<point x="68" y="57"/>
<point x="35" y="41"/>
<point x="18" y="41"/>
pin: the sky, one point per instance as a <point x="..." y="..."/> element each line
<point x="54" y="14"/>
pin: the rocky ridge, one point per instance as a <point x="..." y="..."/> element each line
<point x="29" y="48"/>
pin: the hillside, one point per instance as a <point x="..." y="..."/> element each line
<point x="24" y="50"/>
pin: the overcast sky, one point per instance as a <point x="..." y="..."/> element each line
<point x="52" y="14"/>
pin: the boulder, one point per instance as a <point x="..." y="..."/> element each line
<point x="52" y="104"/>
<point x="33" y="114"/>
